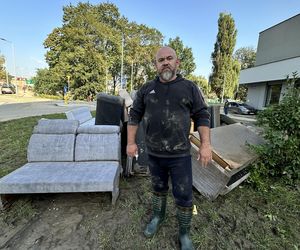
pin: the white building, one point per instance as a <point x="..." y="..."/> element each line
<point x="278" y="55"/>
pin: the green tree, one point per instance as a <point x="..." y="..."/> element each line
<point x="47" y="82"/>
<point x="88" y="48"/>
<point x="246" y="57"/>
<point x="225" y="70"/>
<point x="202" y="82"/>
<point x="141" y="43"/>
<point x="76" y="49"/>
<point x="185" y="55"/>
<point x="2" y="68"/>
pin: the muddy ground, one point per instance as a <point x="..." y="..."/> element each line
<point x="245" y="218"/>
<point x="239" y="220"/>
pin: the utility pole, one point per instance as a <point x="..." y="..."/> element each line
<point x="68" y="82"/>
<point x="122" y="51"/>
<point x="14" y="61"/>
<point x="131" y="87"/>
<point x="6" y="70"/>
<point x="106" y="87"/>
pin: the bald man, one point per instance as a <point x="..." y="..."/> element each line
<point x="167" y="105"/>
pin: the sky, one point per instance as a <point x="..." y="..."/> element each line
<point x="25" y="24"/>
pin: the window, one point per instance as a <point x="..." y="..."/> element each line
<point x="273" y="94"/>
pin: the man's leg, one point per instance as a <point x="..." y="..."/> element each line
<point x="159" y="178"/>
<point x="182" y="181"/>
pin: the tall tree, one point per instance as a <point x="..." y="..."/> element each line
<point x="88" y="48"/>
<point x="185" y="55"/>
<point x="141" y="42"/>
<point x="202" y="82"/>
<point x="246" y="57"/>
<point x="225" y="70"/>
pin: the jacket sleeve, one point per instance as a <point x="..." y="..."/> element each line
<point x="200" y="113"/>
<point x="138" y="108"/>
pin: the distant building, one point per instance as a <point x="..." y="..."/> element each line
<point x="278" y="55"/>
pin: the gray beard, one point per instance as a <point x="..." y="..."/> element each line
<point x="167" y="75"/>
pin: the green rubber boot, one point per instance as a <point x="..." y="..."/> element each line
<point x="159" y="210"/>
<point x="184" y="216"/>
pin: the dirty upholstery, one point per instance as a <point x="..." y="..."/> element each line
<point x="82" y="114"/>
<point x="60" y="160"/>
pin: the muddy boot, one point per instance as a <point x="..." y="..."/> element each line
<point x="159" y="210"/>
<point x="184" y="216"/>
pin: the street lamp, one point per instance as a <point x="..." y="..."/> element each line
<point x="14" y="61"/>
<point x="68" y="82"/>
<point x="122" y="50"/>
<point x="131" y="87"/>
<point x="6" y="71"/>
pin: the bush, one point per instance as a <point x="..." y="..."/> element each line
<point x="280" y="156"/>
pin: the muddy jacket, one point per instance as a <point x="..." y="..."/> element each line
<point x="167" y="109"/>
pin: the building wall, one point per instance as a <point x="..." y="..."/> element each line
<point x="256" y="95"/>
<point x="270" y="72"/>
<point x="279" y="42"/>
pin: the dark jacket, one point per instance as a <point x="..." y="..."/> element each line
<point x="167" y="109"/>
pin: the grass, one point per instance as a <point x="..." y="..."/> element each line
<point x="245" y="218"/>
<point x="14" y="138"/>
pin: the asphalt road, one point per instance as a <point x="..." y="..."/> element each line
<point x="248" y="120"/>
<point x="20" y="110"/>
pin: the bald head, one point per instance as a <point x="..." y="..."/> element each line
<point x="165" y="50"/>
<point x="166" y="63"/>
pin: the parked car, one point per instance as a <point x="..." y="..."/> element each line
<point x="8" y="88"/>
<point x="241" y="108"/>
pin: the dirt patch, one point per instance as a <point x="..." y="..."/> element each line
<point x="242" y="219"/>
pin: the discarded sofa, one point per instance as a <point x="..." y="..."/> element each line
<point x="82" y="114"/>
<point x="65" y="158"/>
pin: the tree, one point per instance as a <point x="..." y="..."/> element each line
<point x="246" y="57"/>
<point x="185" y="55"/>
<point x="76" y="49"/>
<point x="88" y="48"/>
<point x="47" y="82"/>
<point x="202" y="82"/>
<point x="225" y="70"/>
<point x="141" y="43"/>
<point x="2" y="68"/>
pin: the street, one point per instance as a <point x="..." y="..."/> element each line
<point x="20" y="110"/>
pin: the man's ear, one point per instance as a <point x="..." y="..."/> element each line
<point x="178" y="62"/>
<point x="153" y="61"/>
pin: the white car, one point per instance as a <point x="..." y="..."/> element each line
<point x="7" y="88"/>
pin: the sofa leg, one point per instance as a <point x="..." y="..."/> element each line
<point x="115" y="195"/>
<point x="5" y="201"/>
<point x="1" y="202"/>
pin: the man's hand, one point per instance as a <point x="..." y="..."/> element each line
<point x="132" y="150"/>
<point x="204" y="154"/>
